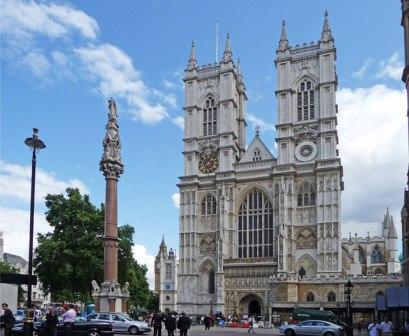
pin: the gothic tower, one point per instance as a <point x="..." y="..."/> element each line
<point x="308" y="159"/>
<point x="214" y="140"/>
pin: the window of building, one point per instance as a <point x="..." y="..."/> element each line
<point x="168" y="271"/>
<point x="255" y="234"/>
<point x="305" y="101"/>
<point x="256" y="155"/>
<point x="167" y="297"/>
<point x="210" y="117"/>
<point x="212" y="283"/>
<point x="376" y="255"/>
<point x="209" y="205"/>
<point x="306" y="195"/>
<point x="331" y="297"/>
<point x="310" y="297"/>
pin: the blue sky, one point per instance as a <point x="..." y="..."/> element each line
<point x="61" y="61"/>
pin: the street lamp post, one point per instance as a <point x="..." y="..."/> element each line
<point x="349" y="303"/>
<point x="36" y="144"/>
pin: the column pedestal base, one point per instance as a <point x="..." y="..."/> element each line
<point x="110" y="297"/>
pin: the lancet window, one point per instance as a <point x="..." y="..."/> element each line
<point x="305" y="101"/>
<point x="310" y="297"/>
<point x="255" y="226"/>
<point x="306" y="195"/>
<point x="212" y="282"/>
<point x="331" y="297"/>
<point x="210" y="117"/>
<point x="256" y="155"/>
<point x="209" y="205"/>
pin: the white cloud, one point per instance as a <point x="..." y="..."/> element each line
<point x="39" y="63"/>
<point x="179" y="121"/>
<point x="26" y="23"/>
<point x="168" y="84"/>
<point x="373" y="149"/>
<point x="176" y="199"/>
<point x="15" y="186"/>
<point x="256" y="121"/>
<point x="15" y="183"/>
<point x="140" y="253"/>
<point x="363" y="69"/>
<point x="22" y="19"/>
<point x="15" y="226"/>
<point x="116" y="76"/>
<point x="391" y="68"/>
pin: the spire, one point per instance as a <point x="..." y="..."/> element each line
<point x="162" y="246"/>
<point x="191" y="64"/>
<point x="239" y="70"/>
<point x="227" y="54"/>
<point x="326" y="34"/>
<point x="392" y="230"/>
<point x="283" y="43"/>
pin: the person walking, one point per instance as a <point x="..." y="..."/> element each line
<point x="170" y="324"/>
<point x="156" y="323"/>
<point x="8" y="319"/>
<point x="251" y="321"/>
<point x="206" y="322"/>
<point x="183" y="324"/>
<point x="374" y="328"/>
<point x="386" y="327"/>
<point x="51" y="322"/>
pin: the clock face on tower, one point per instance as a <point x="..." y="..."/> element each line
<point x="208" y="163"/>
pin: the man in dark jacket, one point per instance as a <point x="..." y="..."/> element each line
<point x="183" y="324"/>
<point x="8" y="319"/>
<point x="170" y="324"/>
<point x="157" y="324"/>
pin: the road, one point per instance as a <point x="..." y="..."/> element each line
<point x="199" y="331"/>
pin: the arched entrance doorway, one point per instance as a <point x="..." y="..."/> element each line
<point x="251" y="304"/>
<point x="254" y="308"/>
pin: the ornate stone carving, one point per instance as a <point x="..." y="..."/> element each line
<point x="95" y="287"/>
<point x="111" y="163"/>
<point x="305" y="134"/>
<point x="207" y="243"/>
<point x="306" y="238"/>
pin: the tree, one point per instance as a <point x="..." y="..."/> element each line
<point x="130" y="271"/>
<point x="71" y="256"/>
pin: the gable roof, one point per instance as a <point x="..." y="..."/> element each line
<point x="257" y="144"/>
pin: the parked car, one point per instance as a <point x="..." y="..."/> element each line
<point x="312" y="327"/>
<point x="80" y="328"/>
<point x="19" y="316"/>
<point x="121" y="323"/>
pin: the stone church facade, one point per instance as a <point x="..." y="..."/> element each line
<point x="258" y="233"/>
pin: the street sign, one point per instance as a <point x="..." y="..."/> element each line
<point x="17" y="279"/>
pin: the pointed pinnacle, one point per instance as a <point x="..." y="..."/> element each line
<point x="326" y="22"/>
<point x="227" y="47"/>
<point x="192" y="52"/>
<point x="326" y="29"/>
<point x="283" y="31"/>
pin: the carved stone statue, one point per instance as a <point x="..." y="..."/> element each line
<point x="125" y="289"/>
<point x="95" y="287"/>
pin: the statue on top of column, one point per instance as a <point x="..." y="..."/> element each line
<point x="111" y="163"/>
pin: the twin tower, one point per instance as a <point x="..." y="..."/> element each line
<point x="247" y="216"/>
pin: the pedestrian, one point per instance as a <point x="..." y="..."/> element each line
<point x="183" y="324"/>
<point x="157" y="323"/>
<point x="251" y="321"/>
<point x="386" y="327"/>
<point x="206" y="322"/>
<point x="7" y="319"/>
<point x="374" y="328"/>
<point x="170" y="324"/>
<point x="51" y="322"/>
<point x="359" y="327"/>
<point x="70" y="315"/>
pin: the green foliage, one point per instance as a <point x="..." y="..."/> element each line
<point x="71" y="256"/>
<point x="6" y="268"/>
